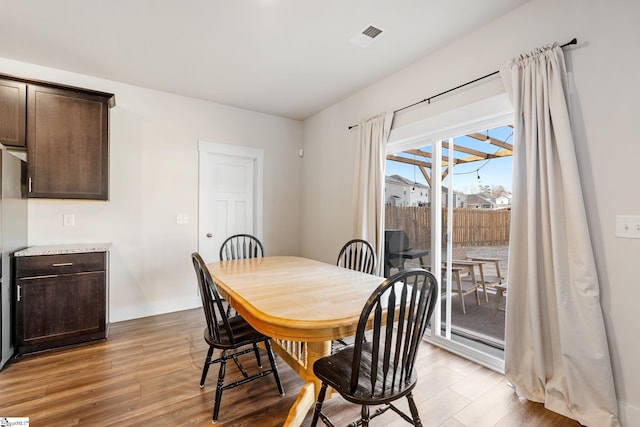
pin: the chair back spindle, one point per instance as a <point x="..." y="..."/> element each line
<point x="400" y="310"/>
<point x="357" y="254"/>
<point x="241" y="246"/>
<point x="214" y="309"/>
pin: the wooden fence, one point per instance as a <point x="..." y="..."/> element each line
<point x="471" y="227"/>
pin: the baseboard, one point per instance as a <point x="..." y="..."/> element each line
<point x="629" y="415"/>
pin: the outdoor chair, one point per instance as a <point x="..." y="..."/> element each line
<point x="501" y="293"/>
<point x="382" y="369"/>
<point x="460" y="258"/>
<point x="462" y="288"/>
<point x="231" y="335"/>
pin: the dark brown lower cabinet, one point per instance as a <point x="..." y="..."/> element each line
<point x="60" y="300"/>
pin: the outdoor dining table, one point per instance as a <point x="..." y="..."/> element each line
<point x="302" y="304"/>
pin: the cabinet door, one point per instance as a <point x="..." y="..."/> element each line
<point x="68" y="150"/>
<point x="58" y="310"/>
<point x="13" y="113"/>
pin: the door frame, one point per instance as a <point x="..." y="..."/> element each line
<point x="252" y="153"/>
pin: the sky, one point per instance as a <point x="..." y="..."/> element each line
<point x="493" y="172"/>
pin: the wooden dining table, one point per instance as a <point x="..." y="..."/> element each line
<point x="302" y="304"/>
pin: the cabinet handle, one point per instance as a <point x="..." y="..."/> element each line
<point x="62" y="264"/>
<point x="30" y="185"/>
<point x="19" y="292"/>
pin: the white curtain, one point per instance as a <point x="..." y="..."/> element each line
<point x="371" y="154"/>
<point x="556" y="348"/>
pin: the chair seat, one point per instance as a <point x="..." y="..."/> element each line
<point x="335" y="370"/>
<point x="243" y="334"/>
<point x="489" y="279"/>
<point x="410" y="253"/>
<point x="465" y="287"/>
<point x="379" y="371"/>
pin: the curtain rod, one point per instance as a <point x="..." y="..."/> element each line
<point x="428" y="100"/>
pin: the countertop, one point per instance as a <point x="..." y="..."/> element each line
<point x="74" y="248"/>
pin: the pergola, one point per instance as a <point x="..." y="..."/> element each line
<point x="495" y="148"/>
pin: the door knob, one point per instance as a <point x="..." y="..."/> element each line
<point x="209" y="235"/>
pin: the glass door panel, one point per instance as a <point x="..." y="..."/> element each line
<point x="447" y="224"/>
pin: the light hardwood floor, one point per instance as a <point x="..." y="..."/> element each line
<point x="147" y="374"/>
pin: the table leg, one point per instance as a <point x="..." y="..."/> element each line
<point x="305" y="401"/>
<point x="301" y="360"/>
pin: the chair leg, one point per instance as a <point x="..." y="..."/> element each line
<point x="316" y="412"/>
<point x="205" y="368"/>
<point x="499" y="295"/>
<point x="256" y="350"/>
<point x="274" y="366"/>
<point x="464" y="311"/>
<point x="484" y="284"/>
<point x="219" y="388"/>
<point x="457" y="278"/>
<point x="414" y="410"/>
<point x="365" y="416"/>
<point x="228" y="308"/>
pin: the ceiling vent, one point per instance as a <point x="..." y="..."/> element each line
<point x="366" y="36"/>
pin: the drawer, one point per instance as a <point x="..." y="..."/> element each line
<point x="47" y="265"/>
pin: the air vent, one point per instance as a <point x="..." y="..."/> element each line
<point x="372" y="31"/>
<point x="366" y="36"/>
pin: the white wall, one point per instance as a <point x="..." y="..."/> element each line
<point x="154" y="176"/>
<point x="604" y="67"/>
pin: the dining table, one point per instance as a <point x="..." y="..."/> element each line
<point x="302" y="304"/>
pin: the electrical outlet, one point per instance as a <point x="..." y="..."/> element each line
<point x="182" y="218"/>
<point x="628" y="226"/>
<point x="68" y="220"/>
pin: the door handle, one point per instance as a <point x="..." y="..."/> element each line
<point x="209" y="235"/>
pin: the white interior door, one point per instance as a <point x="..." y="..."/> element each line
<point x="229" y="189"/>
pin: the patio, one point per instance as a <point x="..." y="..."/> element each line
<point x="478" y="323"/>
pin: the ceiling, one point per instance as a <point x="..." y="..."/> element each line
<point x="290" y="58"/>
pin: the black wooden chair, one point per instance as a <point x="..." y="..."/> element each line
<point x="241" y="246"/>
<point x="357" y="254"/>
<point x="382" y="370"/>
<point x="230" y="335"/>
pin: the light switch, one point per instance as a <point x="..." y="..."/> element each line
<point x="182" y="218"/>
<point x="68" y="220"/>
<point x="628" y="226"/>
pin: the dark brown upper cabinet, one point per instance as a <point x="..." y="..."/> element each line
<point x="68" y="144"/>
<point x="66" y="136"/>
<point x="13" y="113"/>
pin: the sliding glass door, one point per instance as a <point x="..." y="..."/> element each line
<point x="463" y="217"/>
<point x="466" y="303"/>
